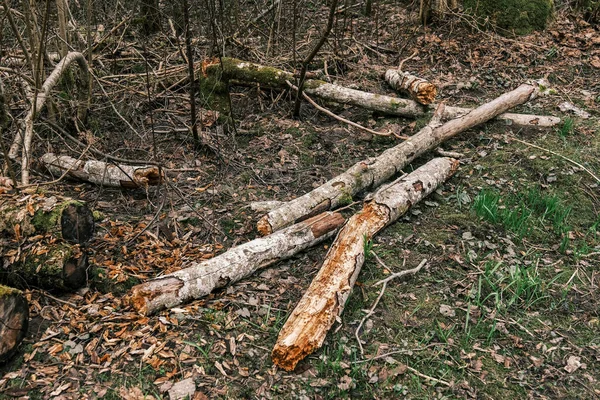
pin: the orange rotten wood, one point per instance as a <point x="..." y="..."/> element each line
<point x="324" y="301"/>
<point x="419" y="89"/>
<point x="200" y="278"/>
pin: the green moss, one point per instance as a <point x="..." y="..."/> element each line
<point x="98" y="215"/>
<point x="248" y="72"/>
<point x="7" y="291"/>
<point x="47" y="221"/>
<point x="518" y="16"/>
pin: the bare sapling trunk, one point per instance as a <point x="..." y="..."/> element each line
<point x="38" y="102"/>
<point x="102" y="173"/>
<point x="419" y="89"/>
<point x="200" y="279"/>
<point x="306" y="328"/>
<point x="14" y="320"/>
<point x="238" y="71"/>
<point x="373" y="172"/>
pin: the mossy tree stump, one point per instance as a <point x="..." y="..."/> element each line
<point x="14" y="320"/>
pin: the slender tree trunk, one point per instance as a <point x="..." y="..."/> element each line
<point x="150" y="12"/>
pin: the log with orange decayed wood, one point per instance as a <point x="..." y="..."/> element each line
<point x="14" y="319"/>
<point x="323" y="302"/>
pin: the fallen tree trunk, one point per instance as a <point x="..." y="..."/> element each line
<point x="419" y="89"/>
<point x="47" y="264"/>
<point x="245" y="72"/>
<point x="14" y="320"/>
<point x="102" y="173"/>
<point x="323" y="302"/>
<point x="62" y="217"/>
<point x="373" y="172"/>
<point x="200" y="279"/>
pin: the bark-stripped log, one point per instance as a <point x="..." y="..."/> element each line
<point x="419" y="89"/>
<point x="14" y="320"/>
<point x="245" y="72"/>
<point x="373" y="172"/>
<point x="49" y="264"/>
<point x="38" y="102"/>
<point x="102" y="173"/>
<point x="306" y="328"/>
<point x="200" y="279"/>
<point x="62" y="217"/>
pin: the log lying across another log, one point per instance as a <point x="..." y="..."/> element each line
<point x="240" y="71"/>
<point x="324" y="301"/>
<point x="102" y="173"/>
<point x="63" y="217"/>
<point x="14" y="320"/>
<point x="200" y="279"/>
<point x="419" y="89"/>
<point x="373" y="172"/>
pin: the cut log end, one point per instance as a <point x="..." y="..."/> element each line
<point x="75" y="272"/>
<point x="426" y="93"/>
<point x="263" y="226"/>
<point x="14" y="318"/>
<point x="77" y="223"/>
<point x="143" y="295"/>
<point x="287" y="357"/>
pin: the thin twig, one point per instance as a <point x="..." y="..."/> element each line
<point x="402" y="273"/>
<point x="430" y="378"/>
<point x="331" y="114"/>
<point x="406" y="59"/>
<point x="559" y="155"/>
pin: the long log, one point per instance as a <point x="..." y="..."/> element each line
<point x="102" y="173"/>
<point x="14" y="320"/>
<point x="246" y="72"/>
<point x="62" y="217"/>
<point x="373" y="172"/>
<point x="306" y="328"/>
<point x="419" y="89"/>
<point x="49" y="264"/>
<point x="200" y="279"/>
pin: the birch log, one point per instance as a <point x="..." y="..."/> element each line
<point x="37" y="103"/>
<point x="245" y="72"/>
<point x="200" y="279"/>
<point x="373" y="172"/>
<point x="324" y="301"/>
<point x="102" y="173"/>
<point x="419" y="89"/>
<point x="14" y="320"/>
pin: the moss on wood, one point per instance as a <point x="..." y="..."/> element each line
<point x="518" y="16"/>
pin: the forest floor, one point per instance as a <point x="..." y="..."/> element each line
<point x="507" y="306"/>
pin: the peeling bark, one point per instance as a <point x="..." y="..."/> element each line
<point x="419" y="89"/>
<point x="64" y="218"/>
<point x="102" y="173"/>
<point x="324" y="300"/>
<point x="373" y="172"/>
<point x="200" y="279"/>
<point x="14" y="320"/>
<point x="245" y="72"/>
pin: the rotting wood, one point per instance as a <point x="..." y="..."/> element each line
<point x="240" y="71"/>
<point x="420" y="90"/>
<point x="102" y="173"/>
<point x="200" y="279"/>
<point x="14" y="320"/>
<point x="306" y="328"/>
<point x="373" y="172"/>
<point x="62" y="217"/>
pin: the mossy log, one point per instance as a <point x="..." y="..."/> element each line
<point x="518" y="16"/>
<point x="102" y="173"/>
<point x="324" y="300"/>
<point x="64" y="218"/>
<point x="48" y="264"/>
<point x="14" y="320"/>
<point x="372" y="172"/>
<point x="200" y="279"/>
<point x="238" y="71"/>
